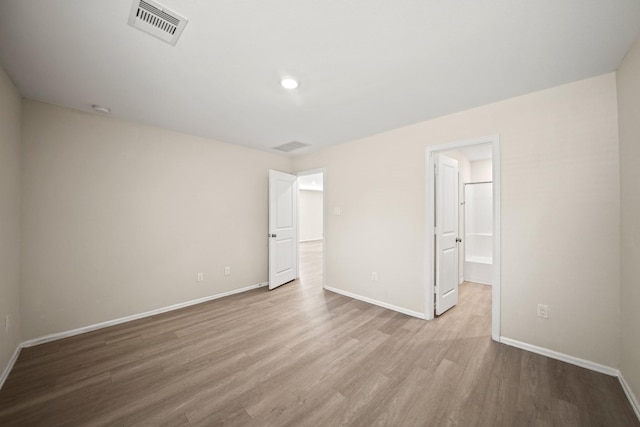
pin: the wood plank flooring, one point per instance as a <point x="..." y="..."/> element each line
<point x="302" y="356"/>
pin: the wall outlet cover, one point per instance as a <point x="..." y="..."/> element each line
<point x="543" y="311"/>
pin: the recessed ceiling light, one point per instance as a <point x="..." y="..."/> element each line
<point x="289" y="83"/>
<point x="101" y="109"/>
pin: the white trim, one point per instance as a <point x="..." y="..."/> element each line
<point x="311" y="240"/>
<point x="593" y="366"/>
<point x="496" y="276"/>
<point x="101" y="325"/>
<point x="9" y="367"/>
<point x="587" y="364"/>
<point x="376" y="302"/>
<point x="430" y="220"/>
<point x="430" y="232"/>
<point x="632" y="397"/>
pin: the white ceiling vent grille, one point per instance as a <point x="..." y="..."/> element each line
<point x="290" y="146"/>
<point x="155" y="19"/>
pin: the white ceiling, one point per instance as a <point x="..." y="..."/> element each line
<point x="365" y="66"/>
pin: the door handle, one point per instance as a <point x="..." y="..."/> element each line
<point x="273" y="235"/>
<point x="458" y="240"/>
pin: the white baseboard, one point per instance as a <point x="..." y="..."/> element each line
<point x="562" y="357"/>
<point x="101" y="325"/>
<point x="607" y="370"/>
<point x="480" y="282"/>
<point x="9" y="367"/>
<point x="378" y="303"/>
<point x="632" y="397"/>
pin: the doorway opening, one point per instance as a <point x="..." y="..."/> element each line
<point x="311" y="220"/>
<point x="477" y="244"/>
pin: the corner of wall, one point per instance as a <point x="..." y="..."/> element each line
<point x="10" y="217"/>
<point x="628" y="98"/>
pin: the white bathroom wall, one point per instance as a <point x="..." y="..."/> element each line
<point x="479" y="232"/>
<point x="479" y="208"/>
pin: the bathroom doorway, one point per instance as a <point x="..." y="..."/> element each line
<point x="484" y="153"/>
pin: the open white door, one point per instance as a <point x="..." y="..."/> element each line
<point x="446" y="235"/>
<point x="283" y="228"/>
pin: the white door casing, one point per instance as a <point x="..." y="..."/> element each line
<point x="446" y="233"/>
<point x="283" y="228"/>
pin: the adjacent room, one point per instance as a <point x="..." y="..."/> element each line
<point x="319" y="213"/>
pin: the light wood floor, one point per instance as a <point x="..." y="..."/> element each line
<point x="302" y="356"/>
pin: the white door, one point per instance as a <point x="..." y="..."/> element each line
<point x="283" y="228"/>
<point x="446" y="238"/>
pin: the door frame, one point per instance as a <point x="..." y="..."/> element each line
<point x="494" y="140"/>
<point x="323" y="171"/>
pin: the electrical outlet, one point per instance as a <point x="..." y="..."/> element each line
<point x="200" y="277"/>
<point x="374" y="276"/>
<point x="227" y="270"/>
<point x="7" y="322"/>
<point x="543" y="311"/>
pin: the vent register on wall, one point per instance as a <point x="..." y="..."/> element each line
<point x="155" y="19"/>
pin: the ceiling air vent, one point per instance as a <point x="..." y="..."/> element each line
<point x="155" y="19"/>
<point x="290" y="146"/>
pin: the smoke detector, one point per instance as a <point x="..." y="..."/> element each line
<point x="155" y="19"/>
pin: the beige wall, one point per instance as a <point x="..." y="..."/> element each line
<point x="560" y="214"/>
<point x="9" y="218"/>
<point x="119" y="217"/>
<point x="310" y="204"/>
<point x="629" y="121"/>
